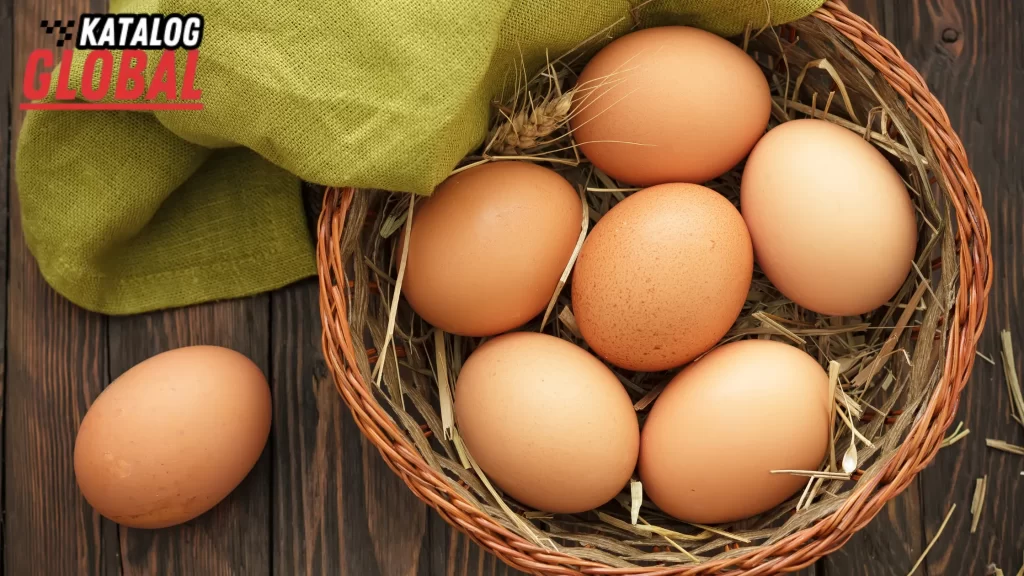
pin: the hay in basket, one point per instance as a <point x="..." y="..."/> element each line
<point x="895" y="374"/>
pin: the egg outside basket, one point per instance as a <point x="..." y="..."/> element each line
<point x="927" y="356"/>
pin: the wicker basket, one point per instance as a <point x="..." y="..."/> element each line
<point x="401" y="437"/>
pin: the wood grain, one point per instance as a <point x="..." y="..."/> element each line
<point x="58" y="366"/>
<point x="462" y="557"/>
<point x="888" y="546"/>
<point x="972" y="52"/>
<point x="234" y="537"/>
<point x="337" y="507"/>
<point x="307" y="536"/>
<point x="6" y="75"/>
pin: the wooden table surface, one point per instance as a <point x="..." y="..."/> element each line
<point x="321" y="501"/>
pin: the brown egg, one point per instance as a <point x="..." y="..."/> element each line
<point x="831" y="220"/>
<point x="671" y="104"/>
<point x="725" y="422"/>
<point x="172" y="436"/>
<point x="547" y="422"/>
<point x="662" y="277"/>
<point x="489" y="246"/>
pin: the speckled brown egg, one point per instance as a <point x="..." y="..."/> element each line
<point x="547" y="422"/>
<point x="662" y="277"/>
<point x="832" y="222"/>
<point x="173" y="436"/>
<point x="725" y="422"/>
<point x="670" y="104"/>
<point x="488" y="247"/>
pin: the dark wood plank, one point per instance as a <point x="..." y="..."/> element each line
<point x="307" y="536"/>
<point x="337" y="507"/>
<point x="971" y="52"/>
<point x="888" y="546"/>
<point x="6" y="76"/>
<point x="395" y="526"/>
<point x="57" y="367"/>
<point x="234" y="537"/>
<point x="462" y="557"/>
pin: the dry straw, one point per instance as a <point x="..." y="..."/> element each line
<point x="932" y="542"/>
<point x="1004" y="446"/>
<point x="958" y="434"/>
<point x="978" y="501"/>
<point x="895" y="375"/>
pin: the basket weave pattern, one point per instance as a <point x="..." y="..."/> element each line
<point x="800" y="549"/>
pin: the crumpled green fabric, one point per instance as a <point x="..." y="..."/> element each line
<point x="134" y="211"/>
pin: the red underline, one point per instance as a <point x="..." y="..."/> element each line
<point x="113" y="106"/>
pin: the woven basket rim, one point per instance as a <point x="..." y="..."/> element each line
<point x="804" y="547"/>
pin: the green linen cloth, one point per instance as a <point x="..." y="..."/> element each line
<point x="133" y="211"/>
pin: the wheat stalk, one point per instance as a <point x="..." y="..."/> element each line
<point x="527" y="129"/>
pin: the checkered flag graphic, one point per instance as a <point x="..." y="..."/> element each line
<point x="61" y="28"/>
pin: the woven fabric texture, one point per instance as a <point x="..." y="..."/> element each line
<point x="133" y="211"/>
